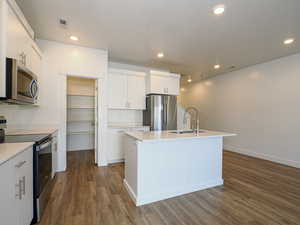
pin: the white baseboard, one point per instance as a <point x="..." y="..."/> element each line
<point x="170" y="194"/>
<point x="115" y="161"/>
<point x="130" y="191"/>
<point x="262" y="156"/>
<point x="79" y="150"/>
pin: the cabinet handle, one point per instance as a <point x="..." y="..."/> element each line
<point x="20" y="164"/>
<point x="23" y="185"/>
<point x="19" y="192"/>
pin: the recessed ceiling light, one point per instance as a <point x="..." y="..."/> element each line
<point x="219" y="9"/>
<point x="217" y="66"/>
<point x="74" y="38"/>
<point x="160" y="55"/>
<point x="289" y="41"/>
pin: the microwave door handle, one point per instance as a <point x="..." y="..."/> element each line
<point x="30" y="89"/>
<point x="33" y="88"/>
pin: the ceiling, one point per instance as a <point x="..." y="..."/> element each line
<point x="192" y="38"/>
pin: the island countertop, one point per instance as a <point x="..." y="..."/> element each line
<point x="170" y="135"/>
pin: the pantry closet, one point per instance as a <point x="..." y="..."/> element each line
<point x="81" y="114"/>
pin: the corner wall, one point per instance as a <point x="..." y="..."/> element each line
<point x="260" y="103"/>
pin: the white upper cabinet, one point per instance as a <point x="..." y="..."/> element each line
<point x="126" y="90"/>
<point x="163" y="83"/>
<point x="117" y="87"/>
<point x="33" y="58"/>
<point x="19" y="44"/>
<point x="136" y="91"/>
<point x="17" y="37"/>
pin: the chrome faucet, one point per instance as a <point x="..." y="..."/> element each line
<point x="194" y="118"/>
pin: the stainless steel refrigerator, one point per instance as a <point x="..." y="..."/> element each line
<point x="161" y="112"/>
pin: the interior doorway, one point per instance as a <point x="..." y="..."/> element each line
<point x="82" y="115"/>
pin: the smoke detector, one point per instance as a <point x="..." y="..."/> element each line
<point x="63" y="23"/>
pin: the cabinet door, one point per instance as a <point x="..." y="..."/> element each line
<point x="173" y="85"/>
<point x="27" y="189"/>
<point x="8" y="195"/>
<point x="115" y="143"/>
<point x="16" y="36"/>
<point x="164" y="84"/>
<point x="23" y="173"/>
<point x="32" y="58"/>
<point x="117" y="91"/>
<point x="136" y="92"/>
<point x="157" y="84"/>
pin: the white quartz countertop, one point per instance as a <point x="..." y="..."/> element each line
<point x="167" y="135"/>
<point x="10" y="150"/>
<point x="33" y="131"/>
<point x="126" y="126"/>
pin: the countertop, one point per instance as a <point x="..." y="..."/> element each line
<point x="33" y="131"/>
<point x="10" y="150"/>
<point x="124" y="126"/>
<point x="166" y="135"/>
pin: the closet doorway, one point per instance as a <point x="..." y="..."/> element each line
<point x="82" y="115"/>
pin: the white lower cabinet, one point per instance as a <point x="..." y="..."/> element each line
<point x="115" y="137"/>
<point x="16" y="190"/>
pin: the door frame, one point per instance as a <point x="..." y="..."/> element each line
<point x="102" y="118"/>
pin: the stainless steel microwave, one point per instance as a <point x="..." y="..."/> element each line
<point x="21" y="84"/>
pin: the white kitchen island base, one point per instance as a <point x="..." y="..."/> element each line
<point x="165" y="168"/>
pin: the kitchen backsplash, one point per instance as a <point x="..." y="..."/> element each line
<point x="120" y="116"/>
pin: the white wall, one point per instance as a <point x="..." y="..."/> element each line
<point x="260" y="103"/>
<point x="59" y="60"/>
<point x="62" y="60"/>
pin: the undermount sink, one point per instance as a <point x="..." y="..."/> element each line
<point x="185" y="132"/>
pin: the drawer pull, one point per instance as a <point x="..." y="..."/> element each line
<point x="18" y="190"/>
<point x="23" y="185"/>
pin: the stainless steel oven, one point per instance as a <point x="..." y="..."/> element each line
<point x="21" y="83"/>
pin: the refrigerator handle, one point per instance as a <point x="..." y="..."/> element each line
<point x="166" y="115"/>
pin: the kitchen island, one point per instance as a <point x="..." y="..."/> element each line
<point x="165" y="164"/>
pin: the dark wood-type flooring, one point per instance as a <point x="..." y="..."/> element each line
<point x="256" y="192"/>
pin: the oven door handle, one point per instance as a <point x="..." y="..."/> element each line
<point x="42" y="146"/>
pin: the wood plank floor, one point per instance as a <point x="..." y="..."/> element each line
<point x="255" y="192"/>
